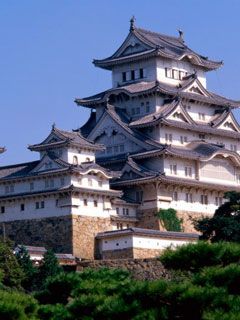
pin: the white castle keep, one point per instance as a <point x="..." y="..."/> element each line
<point x="161" y="140"/>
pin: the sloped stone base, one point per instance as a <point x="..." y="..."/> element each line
<point x="54" y="232"/>
<point x="84" y="231"/>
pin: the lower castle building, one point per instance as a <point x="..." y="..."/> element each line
<point x="157" y="139"/>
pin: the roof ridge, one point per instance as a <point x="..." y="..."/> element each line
<point x="159" y="34"/>
<point x="19" y="164"/>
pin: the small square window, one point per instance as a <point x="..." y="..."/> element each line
<point x="124" y="77"/>
<point x="2" y="209"/>
<point x="95" y="203"/>
<point x="85" y="202"/>
<point x="22" y="207"/>
<point x="42" y="204"/>
<point x="141" y="73"/>
<point x="37" y="205"/>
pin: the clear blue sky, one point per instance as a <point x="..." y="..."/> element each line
<point x="47" y="46"/>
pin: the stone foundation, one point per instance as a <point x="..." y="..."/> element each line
<point x="140" y="269"/>
<point x="84" y="231"/>
<point x="148" y="219"/>
<point x="55" y="233"/>
<point x="67" y="234"/>
<point x="187" y="223"/>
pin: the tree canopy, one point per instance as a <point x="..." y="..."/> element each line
<point x="225" y="223"/>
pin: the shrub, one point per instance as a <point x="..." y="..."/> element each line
<point x="169" y="219"/>
<point x="192" y="257"/>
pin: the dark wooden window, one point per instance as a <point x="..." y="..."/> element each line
<point x="124" y="78"/>
<point x="132" y="75"/>
<point x="22" y="207"/>
<point x="2" y="209"/>
<point x="141" y="73"/>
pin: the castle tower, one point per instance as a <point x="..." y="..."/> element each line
<point x="62" y="200"/>
<point x="175" y="143"/>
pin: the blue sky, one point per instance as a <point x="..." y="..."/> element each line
<point x="47" y="46"/>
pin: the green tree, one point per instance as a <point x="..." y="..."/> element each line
<point x="17" y="306"/>
<point x="170" y="220"/>
<point x="13" y="274"/>
<point x="30" y="272"/>
<point x="225" y="224"/>
<point x="49" y="267"/>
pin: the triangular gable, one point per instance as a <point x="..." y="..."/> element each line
<point x="46" y="164"/>
<point x="197" y="88"/>
<point x="179" y="114"/>
<point x="229" y="123"/>
<point x="132" y="44"/>
<point x="107" y="125"/>
<point x="129" y="172"/>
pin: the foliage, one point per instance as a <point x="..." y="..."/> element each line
<point x="17" y="306"/>
<point x="112" y="294"/>
<point x="48" y="268"/>
<point x="193" y="257"/>
<point x="225" y="224"/>
<point x="170" y="220"/>
<point x="30" y="272"/>
<point x="12" y="273"/>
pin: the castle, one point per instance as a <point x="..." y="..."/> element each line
<point x="161" y="140"/>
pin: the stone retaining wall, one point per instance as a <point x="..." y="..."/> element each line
<point x="141" y="269"/>
<point x="54" y="232"/>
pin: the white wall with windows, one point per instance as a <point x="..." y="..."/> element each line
<point x="172" y="72"/>
<point x="127" y="73"/>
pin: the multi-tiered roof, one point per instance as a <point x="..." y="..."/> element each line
<point x="176" y="97"/>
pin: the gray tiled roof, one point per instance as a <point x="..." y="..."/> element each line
<point x="162" y="88"/>
<point x="17" y="170"/>
<point x="198" y="149"/>
<point x="159" y="45"/>
<point x="148" y="232"/>
<point x="65" y="138"/>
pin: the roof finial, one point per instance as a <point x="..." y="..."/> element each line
<point x="53" y="125"/>
<point x="132" y="23"/>
<point x="181" y="34"/>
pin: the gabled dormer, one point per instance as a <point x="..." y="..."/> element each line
<point x="71" y="147"/>
<point x="148" y="56"/>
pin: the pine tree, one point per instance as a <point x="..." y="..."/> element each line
<point x="12" y="271"/>
<point x="29" y="270"/>
<point x="49" y="267"/>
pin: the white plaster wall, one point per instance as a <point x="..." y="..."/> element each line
<point x="83" y="181"/>
<point x="182" y="205"/>
<point x="181" y="164"/>
<point x="119" y="242"/>
<point x="13" y="210"/>
<point x="218" y="138"/>
<point x="156" y="243"/>
<point x="132" y="211"/>
<point x="39" y="184"/>
<point x="194" y="110"/>
<point x="81" y="155"/>
<point x="218" y="171"/>
<point x="154" y="104"/>
<point x="178" y="65"/>
<point x="149" y="65"/>
<point x="90" y="210"/>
